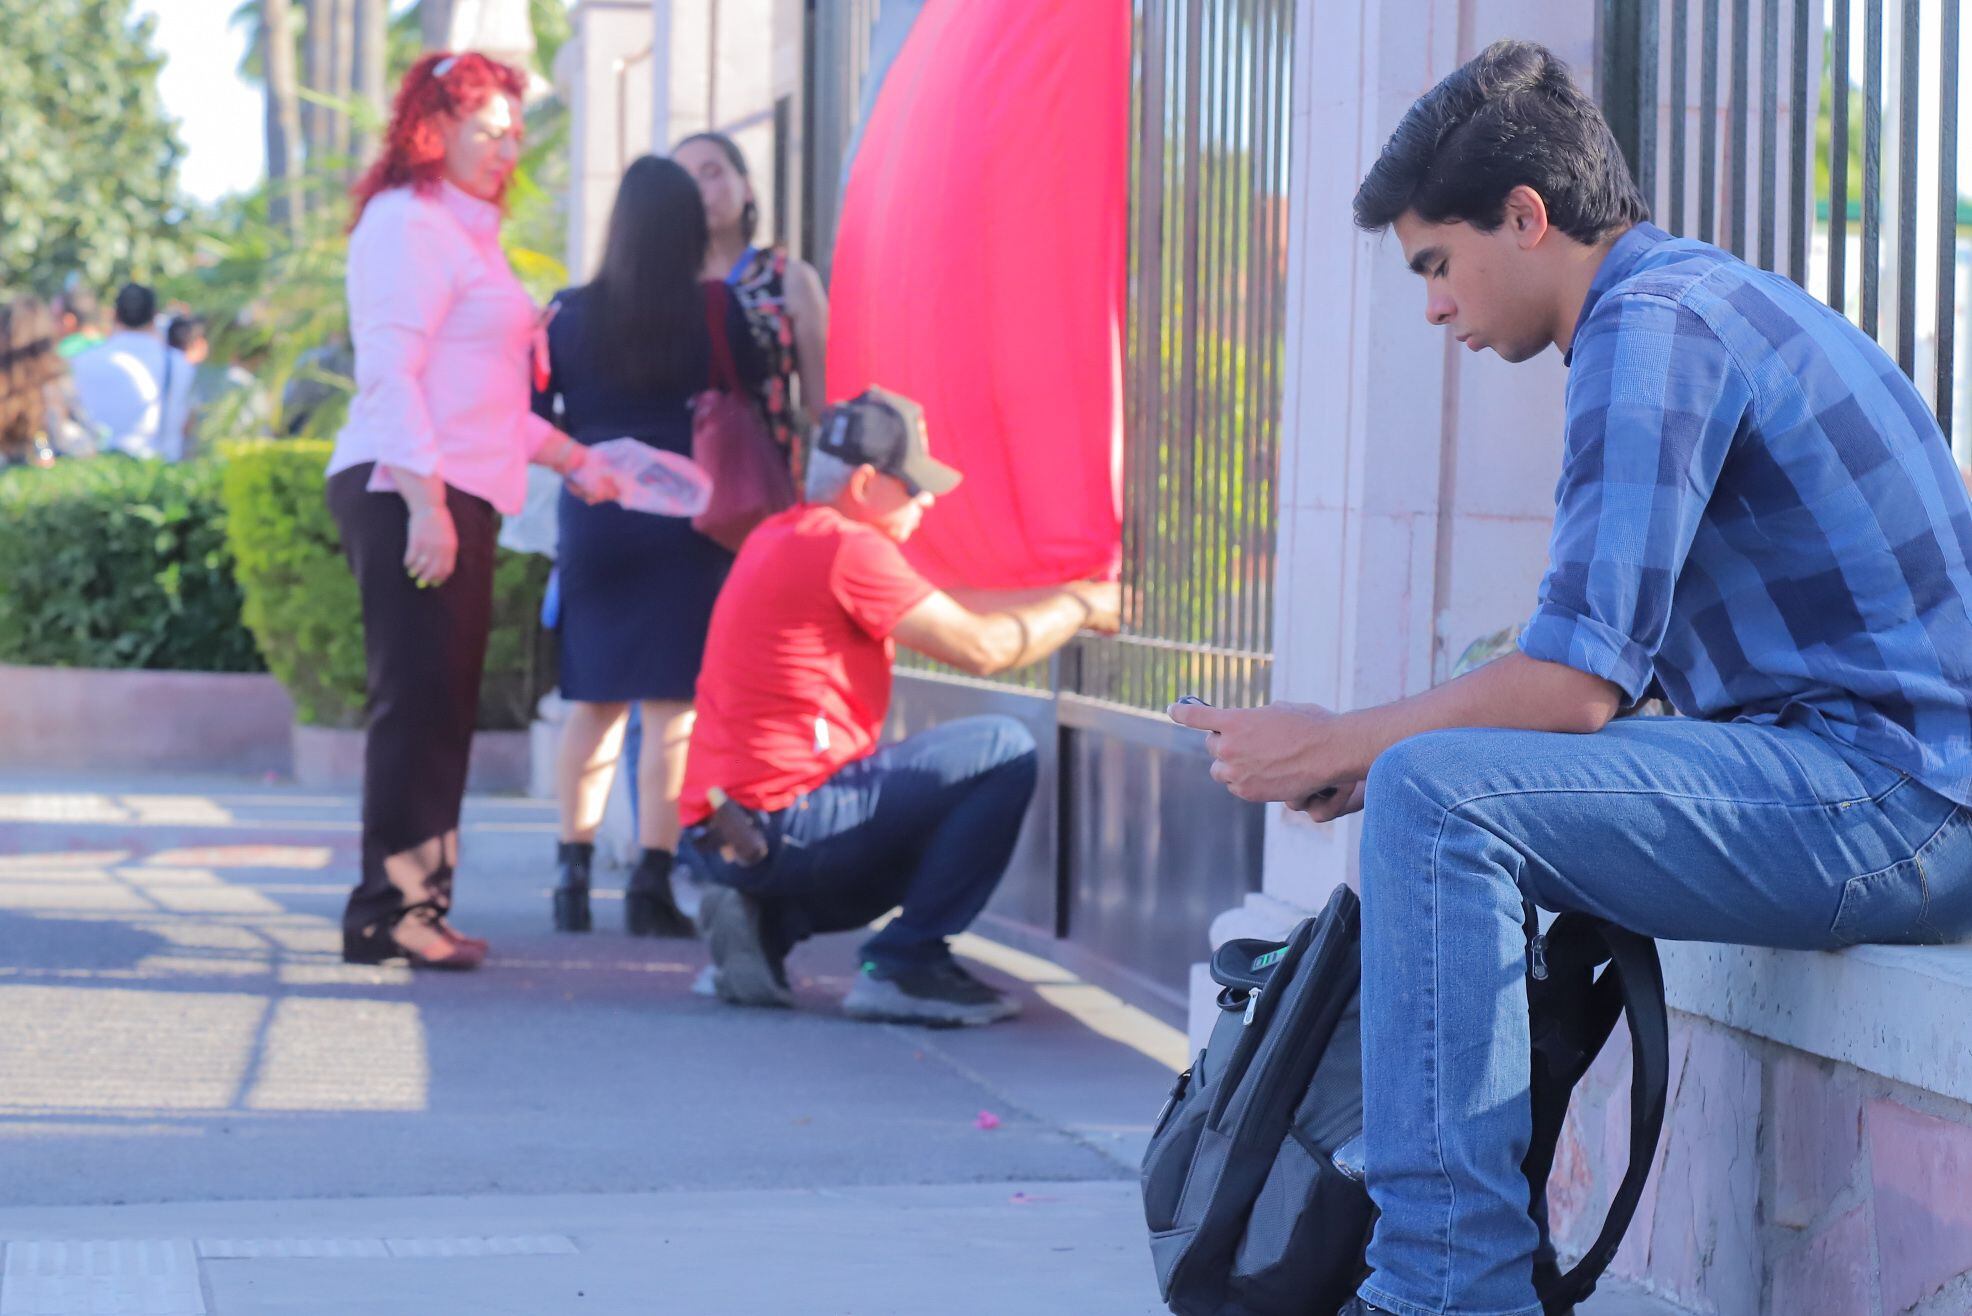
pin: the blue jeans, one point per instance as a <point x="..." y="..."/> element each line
<point x="1685" y="830"/>
<point x="928" y="823"/>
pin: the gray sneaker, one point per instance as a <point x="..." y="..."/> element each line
<point x="940" y="996"/>
<point x="744" y="971"/>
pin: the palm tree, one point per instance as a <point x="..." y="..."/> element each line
<point x="317" y="74"/>
<point x="342" y="72"/>
<point x="372" y="68"/>
<point x="435" y="21"/>
<point x="283" y="119"/>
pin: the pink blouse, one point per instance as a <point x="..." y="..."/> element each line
<point x="443" y="332"/>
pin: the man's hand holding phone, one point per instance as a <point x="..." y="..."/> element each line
<point x="1297" y="754"/>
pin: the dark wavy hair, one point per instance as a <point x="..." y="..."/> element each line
<point x="646" y="312"/>
<point x="750" y="212"/>
<point x="414" y="144"/>
<point x="28" y="365"/>
<point x="1510" y="116"/>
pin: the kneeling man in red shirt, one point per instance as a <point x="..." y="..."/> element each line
<point x="791" y="702"/>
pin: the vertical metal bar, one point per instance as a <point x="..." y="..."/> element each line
<point x="1742" y="166"/>
<point x="1838" y="159"/>
<point x="1947" y="373"/>
<point x="1140" y="432"/>
<point x="1179" y="441"/>
<point x="1708" y="127"/>
<point x="1801" y="164"/>
<point x="1209" y="356"/>
<point x="1266" y="356"/>
<point x="1907" y="193"/>
<point x="1872" y="163"/>
<point x="1769" y="129"/>
<point x="1648" y="31"/>
<point x="1680" y="92"/>
<point x="1616" y="54"/>
<point x="1252" y="54"/>
<point x="1257" y="285"/>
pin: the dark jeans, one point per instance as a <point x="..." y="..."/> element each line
<point x="424" y="650"/>
<point x="928" y="823"/>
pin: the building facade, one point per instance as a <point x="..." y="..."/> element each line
<point x="1367" y="500"/>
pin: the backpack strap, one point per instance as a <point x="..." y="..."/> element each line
<point x="1574" y="1012"/>
<point x="725" y="373"/>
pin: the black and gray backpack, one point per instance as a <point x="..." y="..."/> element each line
<point x="1253" y="1181"/>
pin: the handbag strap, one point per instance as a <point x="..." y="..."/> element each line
<point x="725" y="373"/>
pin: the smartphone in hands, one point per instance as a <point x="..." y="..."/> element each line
<point x="1327" y="792"/>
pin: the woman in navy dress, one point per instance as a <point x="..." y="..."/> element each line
<point x="627" y="354"/>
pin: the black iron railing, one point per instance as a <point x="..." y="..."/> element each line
<point x="1202" y="366"/>
<point x="1857" y="106"/>
<point x="838" y="55"/>
<point x="1203" y="339"/>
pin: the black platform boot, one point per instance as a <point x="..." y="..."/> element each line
<point x="572" y="885"/>
<point x="649" y="908"/>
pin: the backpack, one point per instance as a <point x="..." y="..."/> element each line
<point x="1253" y="1180"/>
<point x="751" y="480"/>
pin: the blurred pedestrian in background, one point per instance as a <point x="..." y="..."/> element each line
<point x="627" y="353"/>
<point x="31" y="383"/>
<point x="134" y="384"/>
<point x="786" y="306"/>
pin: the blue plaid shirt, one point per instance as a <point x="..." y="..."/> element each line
<point x="1758" y="518"/>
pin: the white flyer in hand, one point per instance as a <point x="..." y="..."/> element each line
<point x="655" y="481"/>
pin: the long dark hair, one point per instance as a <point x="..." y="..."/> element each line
<point x="647" y="311"/>
<point x="750" y="212"/>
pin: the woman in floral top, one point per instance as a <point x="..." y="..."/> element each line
<point x="785" y="304"/>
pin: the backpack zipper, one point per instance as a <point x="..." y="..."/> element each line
<point x="1252" y="1004"/>
<point x="1537" y="957"/>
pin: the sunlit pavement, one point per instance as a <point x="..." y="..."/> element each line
<point x="567" y="1130"/>
<point x="203" y="1110"/>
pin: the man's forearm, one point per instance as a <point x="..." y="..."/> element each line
<point x="988" y="601"/>
<point x="1032" y="631"/>
<point x="1512" y="691"/>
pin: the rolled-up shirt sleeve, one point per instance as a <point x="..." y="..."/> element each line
<point x="1655" y="402"/>
<point x="401" y="287"/>
<point x="536" y="434"/>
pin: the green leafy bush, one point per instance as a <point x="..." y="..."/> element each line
<point x="115" y="563"/>
<point x="303" y="608"/>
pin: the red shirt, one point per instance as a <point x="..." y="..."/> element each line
<point x="796" y="679"/>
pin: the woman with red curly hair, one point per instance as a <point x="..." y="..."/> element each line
<point x="439" y="437"/>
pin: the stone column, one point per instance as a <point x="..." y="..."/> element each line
<point x="605" y="75"/>
<point x="1416" y="480"/>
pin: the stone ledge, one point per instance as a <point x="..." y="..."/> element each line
<point x="1898" y="1011"/>
<point x="1901" y="1012"/>
<point x="78" y="719"/>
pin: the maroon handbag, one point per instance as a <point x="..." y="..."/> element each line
<point x="750" y="477"/>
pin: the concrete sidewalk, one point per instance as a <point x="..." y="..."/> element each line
<point x="202" y="1110"/>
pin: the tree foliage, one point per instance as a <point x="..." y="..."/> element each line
<point x="88" y="157"/>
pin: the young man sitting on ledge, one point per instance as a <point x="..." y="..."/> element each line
<point x="1759" y="521"/>
<point x="791" y="704"/>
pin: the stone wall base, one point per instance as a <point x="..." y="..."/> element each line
<point x="331" y="759"/>
<point x="1785" y="1185"/>
<point x="73" y="719"/>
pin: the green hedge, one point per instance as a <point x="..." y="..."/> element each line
<point x="114" y="563"/>
<point x="302" y="605"/>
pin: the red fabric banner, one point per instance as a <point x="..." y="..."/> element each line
<point x="979" y="269"/>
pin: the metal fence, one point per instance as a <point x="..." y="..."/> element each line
<point x="838" y="55"/>
<point x="1203" y="350"/>
<point x="1826" y="147"/>
<point x="1203" y="341"/>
